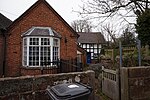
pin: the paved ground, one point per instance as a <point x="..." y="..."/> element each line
<point x="98" y="94"/>
<point x="100" y="97"/>
<point x="97" y="97"/>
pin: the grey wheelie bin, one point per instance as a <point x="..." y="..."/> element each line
<point x="69" y="91"/>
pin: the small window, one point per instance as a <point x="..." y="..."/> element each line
<point x="84" y="46"/>
<point x="91" y="45"/>
<point x="95" y="46"/>
<point x="87" y="45"/>
<point x="95" y="51"/>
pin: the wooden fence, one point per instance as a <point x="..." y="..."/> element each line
<point x="110" y="83"/>
<point x="112" y="53"/>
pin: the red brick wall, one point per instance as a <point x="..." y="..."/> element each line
<point x="41" y="15"/>
<point x="37" y="71"/>
<point x="1" y="54"/>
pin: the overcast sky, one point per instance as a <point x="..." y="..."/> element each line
<point x="14" y="8"/>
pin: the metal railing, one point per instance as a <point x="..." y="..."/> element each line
<point x="61" y="66"/>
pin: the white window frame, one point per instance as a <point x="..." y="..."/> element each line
<point x="51" y="50"/>
<point x="58" y="46"/>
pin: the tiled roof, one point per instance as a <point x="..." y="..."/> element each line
<point x="41" y="31"/>
<point x="4" y="22"/>
<point x="91" y="37"/>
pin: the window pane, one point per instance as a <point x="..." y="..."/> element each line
<point x="34" y="41"/>
<point x="84" y="45"/>
<point x="88" y="50"/>
<point x="99" y="50"/>
<point x="33" y="56"/>
<point x="25" y="51"/>
<point x="55" y="42"/>
<point x="100" y="46"/>
<point x="45" y="55"/>
<point x="55" y="53"/>
<point x="25" y="56"/>
<point x="95" y="50"/>
<point x="87" y="45"/>
<point x="91" y="45"/>
<point x="92" y="54"/>
<point x="95" y="46"/>
<point x="45" y="41"/>
<point x="25" y="42"/>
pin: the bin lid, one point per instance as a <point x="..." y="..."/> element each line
<point x="69" y="90"/>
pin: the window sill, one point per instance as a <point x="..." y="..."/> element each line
<point x="40" y="68"/>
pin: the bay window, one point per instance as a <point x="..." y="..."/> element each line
<point x="39" y="50"/>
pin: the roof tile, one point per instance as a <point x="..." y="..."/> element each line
<point x="91" y="37"/>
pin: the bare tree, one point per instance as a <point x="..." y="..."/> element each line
<point x="82" y="26"/>
<point x="109" y="31"/>
<point x="109" y="8"/>
<point x="128" y="37"/>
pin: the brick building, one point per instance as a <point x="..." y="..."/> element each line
<point x="39" y="37"/>
<point x="81" y="58"/>
<point x="4" y="23"/>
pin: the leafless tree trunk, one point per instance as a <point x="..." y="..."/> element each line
<point x="109" y="30"/>
<point x="82" y="26"/>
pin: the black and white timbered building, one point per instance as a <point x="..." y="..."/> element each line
<point x="92" y="42"/>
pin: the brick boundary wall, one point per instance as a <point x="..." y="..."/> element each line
<point x="135" y="83"/>
<point x="33" y="87"/>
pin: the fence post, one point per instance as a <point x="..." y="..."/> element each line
<point x="147" y="50"/>
<point x="139" y="51"/>
<point x="120" y="49"/>
<point x="113" y="55"/>
<point x="124" y="83"/>
<point x="119" y="75"/>
<point x="102" y="80"/>
<point x="118" y="84"/>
